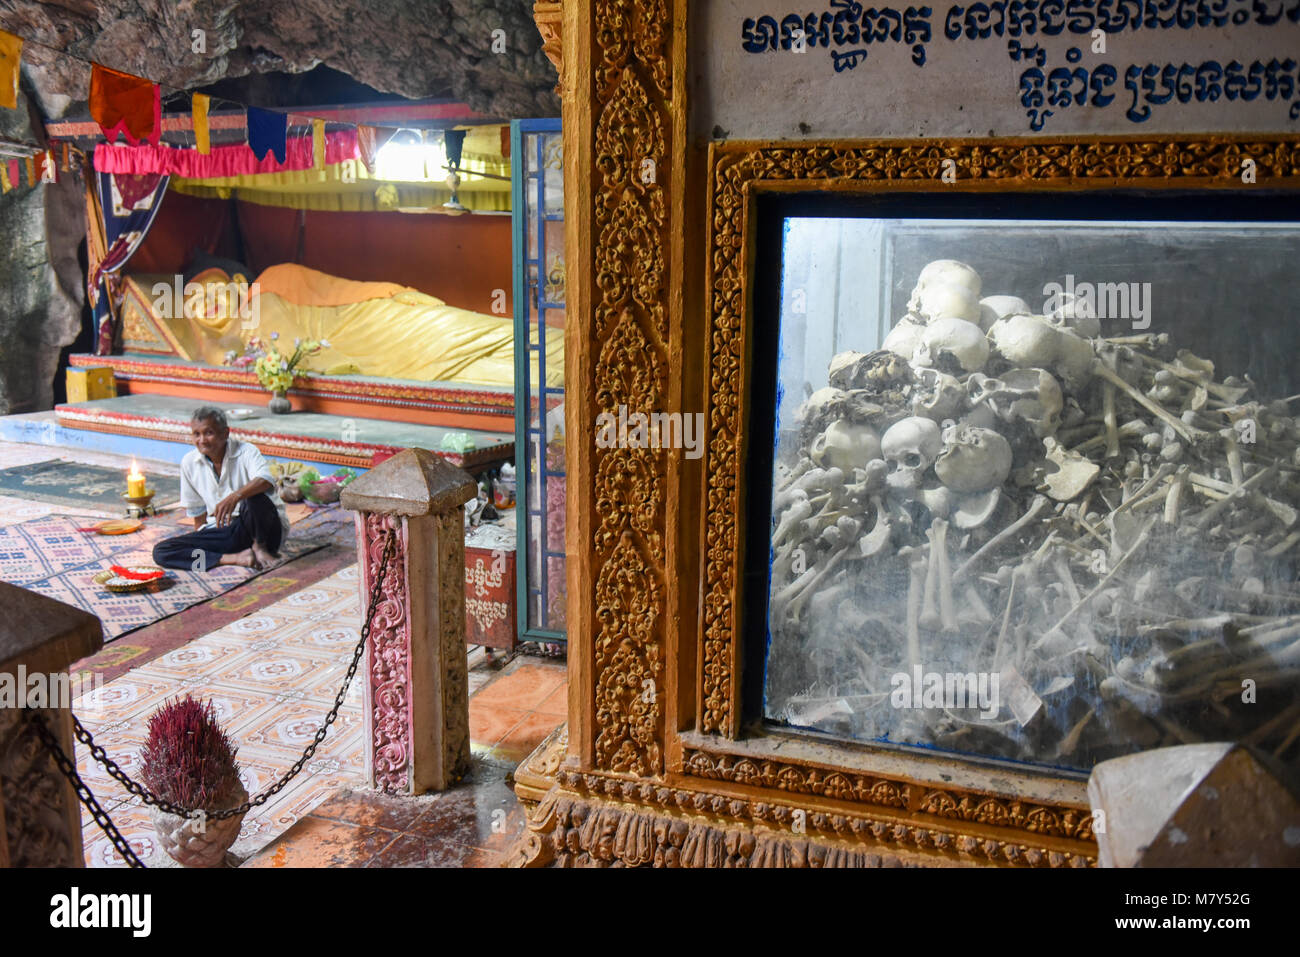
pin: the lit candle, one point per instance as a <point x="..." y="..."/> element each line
<point x="135" y="482"/>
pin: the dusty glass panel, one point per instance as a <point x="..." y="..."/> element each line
<point x="1036" y="491"/>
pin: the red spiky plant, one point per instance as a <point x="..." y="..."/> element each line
<point x="188" y="760"/>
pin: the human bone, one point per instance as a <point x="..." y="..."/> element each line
<point x="993" y="308"/>
<point x="1077" y="314"/>
<point x="949" y="341"/>
<point x="910" y="446"/>
<point x="813" y="406"/>
<point x="903" y="339"/>
<point x="947" y="300"/>
<point x="1033" y="342"/>
<point x="839" y="372"/>
<point x="973" y="460"/>
<point x="937" y="395"/>
<point x="1123" y="448"/>
<point x="1032" y="396"/>
<point x="846" y="446"/>
<point x="946" y="274"/>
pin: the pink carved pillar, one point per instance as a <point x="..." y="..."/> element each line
<point x="415" y="682"/>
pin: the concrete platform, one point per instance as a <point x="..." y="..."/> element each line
<point x="157" y="427"/>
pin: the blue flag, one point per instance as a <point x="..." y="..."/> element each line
<point x="266" y="132"/>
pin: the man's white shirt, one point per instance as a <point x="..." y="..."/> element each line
<point x="201" y="489"/>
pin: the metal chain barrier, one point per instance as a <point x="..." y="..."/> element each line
<point x="84" y="794"/>
<point x="69" y="768"/>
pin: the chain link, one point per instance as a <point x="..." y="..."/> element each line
<point x="115" y="771"/>
<point x="84" y="795"/>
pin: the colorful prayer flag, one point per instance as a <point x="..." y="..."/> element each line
<point x="267" y="131"/>
<point x="202" y="141"/>
<point x="11" y="58"/>
<point x="30" y="164"/>
<point x="47" y="170"/>
<point x="5" y="185"/>
<point x="318" y="144"/>
<point x="122" y="102"/>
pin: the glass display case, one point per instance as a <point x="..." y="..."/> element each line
<point x="1035" y="487"/>
<point x="536" y="148"/>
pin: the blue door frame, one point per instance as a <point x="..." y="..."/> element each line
<point x="530" y="289"/>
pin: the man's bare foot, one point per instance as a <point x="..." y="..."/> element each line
<point x="262" y="556"/>
<point x="244" y="559"/>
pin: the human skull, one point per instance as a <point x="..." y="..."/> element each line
<point x="846" y="446"/>
<point x="910" y="446"/>
<point x="942" y="300"/>
<point x="1033" y="342"/>
<point x="1077" y="314"/>
<point x="951" y="341"/>
<point x="993" y="308"/>
<point x="973" y="460"/>
<point x="937" y="395"/>
<point x="1032" y="396"/>
<point x="818" y="404"/>
<point x="945" y="272"/>
<point x="903" y="339"/>
<point x="841" y="368"/>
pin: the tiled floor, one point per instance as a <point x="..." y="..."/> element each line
<point x="273" y="676"/>
<point x="471" y="825"/>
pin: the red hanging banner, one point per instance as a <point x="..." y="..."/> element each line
<point x="120" y="102"/>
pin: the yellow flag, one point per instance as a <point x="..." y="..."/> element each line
<point x="11" y="57"/>
<point x="5" y="185"/>
<point x="318" y="144"/>
<point x="30" y="164"/>
<point x="200" y="112"/>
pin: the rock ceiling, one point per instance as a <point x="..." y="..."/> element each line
<point x="416" y="48"/>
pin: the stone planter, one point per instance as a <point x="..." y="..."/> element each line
<point x="280" y="404"/>
<point x="193" y="843"/>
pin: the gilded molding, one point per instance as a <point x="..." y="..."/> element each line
<point x="738" y="170"/>
<point x="1051" y="820"/>
<point x="593" y="820"/>
<point x="630" y="228"/>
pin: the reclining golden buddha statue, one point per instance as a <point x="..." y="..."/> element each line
<point x="372" y="328"/>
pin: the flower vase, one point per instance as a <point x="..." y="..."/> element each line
<point x="198" y="843"/>
<point x="279" y="404"/>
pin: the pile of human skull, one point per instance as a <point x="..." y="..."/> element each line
<point x="1098" y="521"/>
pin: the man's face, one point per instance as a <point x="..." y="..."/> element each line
<point x="209" y="438"/>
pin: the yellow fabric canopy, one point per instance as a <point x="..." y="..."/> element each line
<point x="327" y="189"/>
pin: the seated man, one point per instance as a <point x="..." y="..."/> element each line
<point x="226" y="485"/>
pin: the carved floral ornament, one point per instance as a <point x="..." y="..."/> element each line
<point x="630" y="792"/>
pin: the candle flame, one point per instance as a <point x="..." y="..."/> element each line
<point x="135" y="470"/>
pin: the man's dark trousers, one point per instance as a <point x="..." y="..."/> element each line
<point x="258" y="521"/>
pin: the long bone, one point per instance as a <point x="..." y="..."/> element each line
<point x="930" y="618"/>
<point x="1106" y="374"/>
<point x="1133" y="549"/>
<point x="1036" y="507"/>
<point x="1108" y="417"/>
